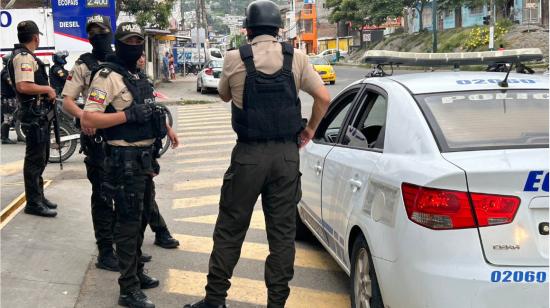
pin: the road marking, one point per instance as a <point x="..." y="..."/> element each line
<point x="207" y="133"/>
<point x="204" y="160"/>
<point x="224" y="151"/>
<point x="198" y="184"/>
<point x="209" y="115"/>
<point x="16" y="206"/>
<point x="205" y="120"/>
<point x="204" y="128"/>
<point x="257" y="221"/>
<point x="307" y="258"/>
<point x="207" y="137"/>
<point x="204" y="124"/>
<point x="209" y="144"/>
<point x="185" y="203"/>
<point x="251" y="291"/>
<point x="11" y="168"/>
<point x="219" y="169"/>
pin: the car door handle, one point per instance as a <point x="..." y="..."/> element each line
<point x="318" y="168"/>
<point x="355" y="184"/>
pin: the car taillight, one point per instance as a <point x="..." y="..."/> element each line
<point x="494" y="209"/>
<point x="209" y="71"/>
<point x="449" y="209"/>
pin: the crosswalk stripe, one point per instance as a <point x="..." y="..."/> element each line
<point x="198" y="184"/>
<point x="206" y="119"/>
<point x="203" y="124"/>
<point x="204" y="128"/>
<point x="207" y="132"/>
<point x="207" y="137"/>
<point x="11" y="168"/>
<point x="223" y="152"/>
<point x="219" y="169"/>
<point x="209" y="144"/>
<point x="204" y="116"/>
<point x="307" y="258"/>
<point x="251" y="291"/>
<point x="185" y="203"/>
<point x="204" y="160"/>
<point x="257" y="221"/>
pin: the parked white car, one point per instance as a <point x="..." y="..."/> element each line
<point x="330" y="54"/>
<point x="209" y="77"/>
<point x="431" y="189"/>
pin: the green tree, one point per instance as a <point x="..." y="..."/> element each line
<point x="151" y="13"/>
<point x="361" y="13"/>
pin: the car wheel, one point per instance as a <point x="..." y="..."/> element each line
<point x="333" y="82"/>
<point x="302" y="232"/>
<point x="198" y="86"/>
<point x="364" y="284"/>
<point x="204" y="90"/>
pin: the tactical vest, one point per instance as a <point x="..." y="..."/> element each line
<point x="40" y="75"/>
<point x="58" y="82"/>
<point x="271" y="107"/>
<point x="89" y="60"/>
<point x="142" y="93"/>
<point x="7" y="84"/>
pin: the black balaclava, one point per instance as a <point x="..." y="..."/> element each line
<point x="128" y="54"/>
<point x="101" y="44"/>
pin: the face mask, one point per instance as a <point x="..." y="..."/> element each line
<point x="129" y="54"/>
<point x="101" y="45"/>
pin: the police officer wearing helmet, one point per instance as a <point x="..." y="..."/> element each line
<point x="8" y="101"/>
<point x="100" y="36"/>
<point x="120" y="102"/>
<point x="58" y="73"/>
<point x="262" y="79"/>
<point x="36" y="99"/>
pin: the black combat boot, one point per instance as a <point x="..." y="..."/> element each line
<point x="107" y="260"/>
<point x="49" y="204"/>
<point x="8" y="141"/>
<point x="145" y="258"/>
<point x="146" y="281"/>
<point x="39" y="209"/>
<point x="203" y="304"/>
<point x="135" y="299"/>
<point x="164" y="239"/>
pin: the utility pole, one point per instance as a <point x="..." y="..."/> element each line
<point x="434" y="26"/>
<point x="492" y="13"/>
<point x="182" y="12"/>
<point x="197" y="25"/>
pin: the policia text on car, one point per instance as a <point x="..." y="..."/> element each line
<point x="263" y="79"/>
<point x="121" y="102"/>
<point x="100" y="35"/>
<point x="36" y="99"/>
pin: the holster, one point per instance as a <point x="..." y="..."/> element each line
<point x="159" y="122"/>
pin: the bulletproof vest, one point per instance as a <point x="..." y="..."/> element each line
<point x="90" y="60"/>
<point x="142" y="93"/>
<point x="40" y="75"/>
<point x="58" y="82"/>
<point x="7" y="84"/>
<point x="271" y="107"/>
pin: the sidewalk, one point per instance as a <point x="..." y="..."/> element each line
<point x="183" y="90"/>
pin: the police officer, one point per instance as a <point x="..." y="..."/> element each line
<point x="100" y="36"/>
<point x="7" y="100"/>
<point x="262" y="79"/>
<point x="36" y="99"/>
<point x="119" y="103"/>
<point x="58" y="73"/>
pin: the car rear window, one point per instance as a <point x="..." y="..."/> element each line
<point x="494" y="119"/>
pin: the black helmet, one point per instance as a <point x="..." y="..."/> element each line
<point x="59" y="57"/>
<point x="263" y="13"/>
<point x="6" y="59"/>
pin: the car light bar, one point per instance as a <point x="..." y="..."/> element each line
<point x="381" y="57"/>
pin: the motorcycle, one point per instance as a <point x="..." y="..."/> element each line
<point x="10" y="117"/>
<point x="69" y="133"/>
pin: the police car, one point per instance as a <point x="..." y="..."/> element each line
<point x="431" y="189"/>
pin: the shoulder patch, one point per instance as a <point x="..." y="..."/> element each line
<point x="104" y="72"/>
<point x="24" y="53"/>
<point x="97" y="96"/>
<point x="70" y="76"/>
<point x="26" y="67"/>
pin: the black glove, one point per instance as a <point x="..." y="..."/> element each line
<point x="139" y="113"/>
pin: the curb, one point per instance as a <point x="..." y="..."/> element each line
<point x="12" y="209"/>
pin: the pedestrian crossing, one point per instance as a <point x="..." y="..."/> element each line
<point x="207" y="138"/>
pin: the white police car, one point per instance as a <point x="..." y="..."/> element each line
<point x="431" y="189"/>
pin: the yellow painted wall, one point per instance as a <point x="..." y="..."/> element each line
<point x="331" y="44"/>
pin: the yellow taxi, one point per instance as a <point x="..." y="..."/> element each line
<point x="323" y="67"/>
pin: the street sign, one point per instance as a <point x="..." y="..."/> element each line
<point x="69" y="21"/>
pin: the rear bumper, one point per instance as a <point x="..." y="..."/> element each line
<point x="328" y="77"/>
<point x="211" y="82"/>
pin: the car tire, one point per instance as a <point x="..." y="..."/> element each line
<point x="204" y="90"/>
<point x="332" y="82"/>
<point x="365" y="291"/>
<point x="198" y="87"/>
<point x="302" y="232"/>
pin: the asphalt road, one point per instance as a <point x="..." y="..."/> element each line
<point x="187" y="193"/>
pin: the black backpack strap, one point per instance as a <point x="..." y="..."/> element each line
<point x="90" y="61"/>
<point x="248" y="58"/>
<point x="288" y="54"/>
